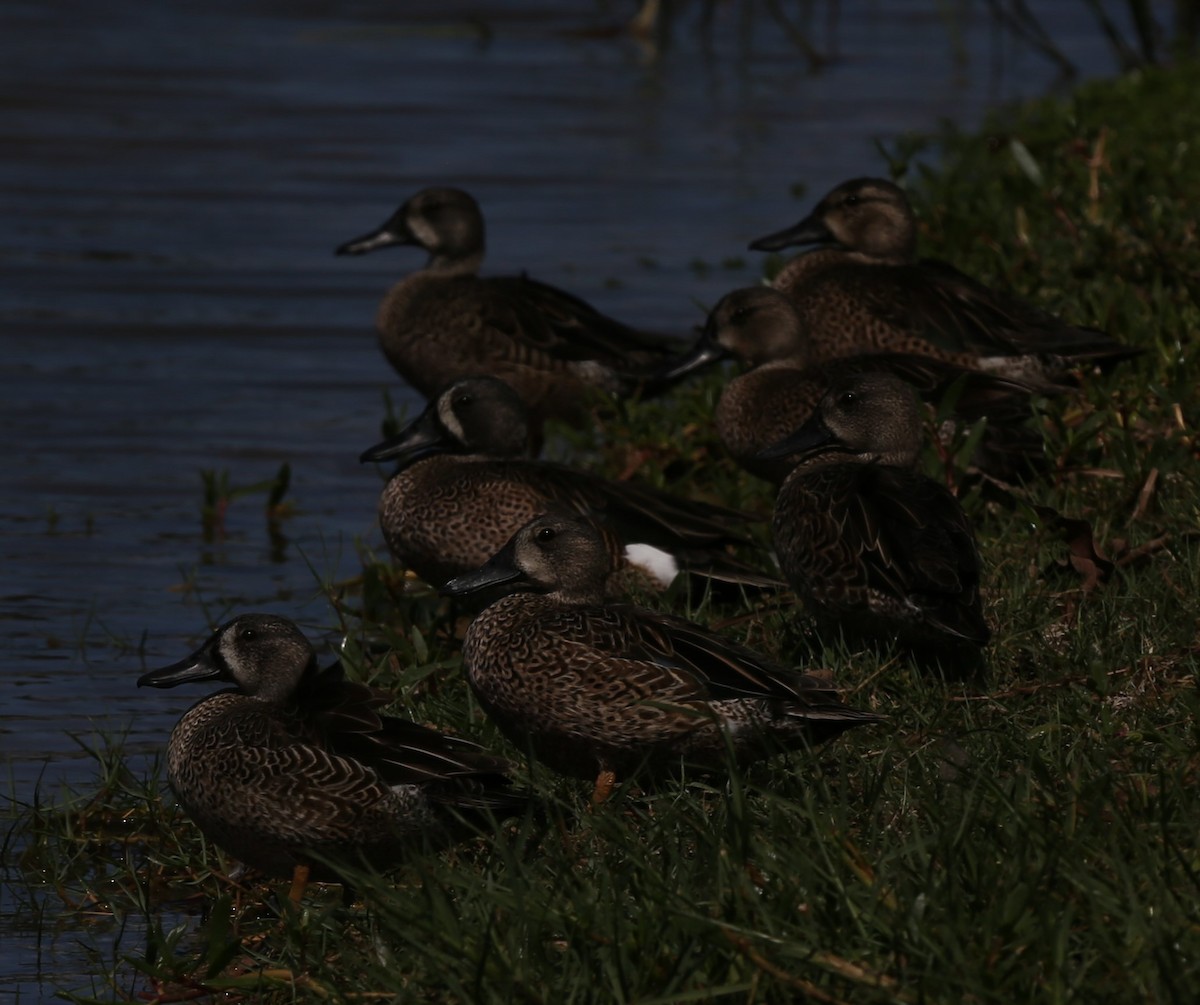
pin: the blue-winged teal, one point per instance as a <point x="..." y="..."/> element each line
<point x="596" y="689"/>
<point x="862" y="289"/>
<point x="872" y="546"/>
<point x="466" y="484"/>
<point x="446" y="322"/>
<point x="782" y="383"/>
<point x="294" y="761"/>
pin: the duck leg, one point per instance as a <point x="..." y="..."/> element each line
<point x="299" y="883"/>
<point x="606" y="781"/>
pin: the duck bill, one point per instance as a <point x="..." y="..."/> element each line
<point x="499" y="570"/>
<point x="808" y="231"/>
<point x="200" y="666"/>
<point x="384" y="237"/>
<point x="705" y="353"/>
<point x="421" y="438"/>
<point x="811" y="438"/>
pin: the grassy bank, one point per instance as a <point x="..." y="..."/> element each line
<point x="1035" y="839"/>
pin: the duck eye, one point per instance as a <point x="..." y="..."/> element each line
<point x="464" y="401"/>
<point x="851" y="200"/>
<point x="248" y="633"/>
<point x="741" y="313"/>
<point x="847" y="399"/>
<point x="546" y="534"/>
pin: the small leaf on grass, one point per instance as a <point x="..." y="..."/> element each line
<point x="221" y="946"/>
<point x="1085" y="556"/>
<point x="1146" y="495"/>
<point x="860" y="865"/>
<point x="418" y="672"/>
<point x="1025" y="161"/>
<point x="420" y="649"/>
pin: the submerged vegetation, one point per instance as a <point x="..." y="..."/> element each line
<point x="1033" y="837"/>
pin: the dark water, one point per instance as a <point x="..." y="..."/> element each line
<point x="175" y="177"/>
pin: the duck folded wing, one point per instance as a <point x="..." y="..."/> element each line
<point x="347" y="719"/>
<point x="958" y="314"/>
<point x="915" y="542"/>
<point x="641" y="512"/>
<point x="694" y="533"/>
<point x="948" y="309"/>
<point x="309" y="790"/>
<point x="974" y="393"/>
<point x="710" y="666"/>
<point x="548" y="320"/>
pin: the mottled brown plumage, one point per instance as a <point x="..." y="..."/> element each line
<point x="445" y="321"/>
<point x="862" y="290"/>
<point x="782" y="383"/>
<point x="590" y="687"/>
<point x="294" y="764"/>
<point x="873" y="547"/>
<point x="465" y="485"/>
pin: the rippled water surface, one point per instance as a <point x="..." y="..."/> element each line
<point x="175" y="177"/>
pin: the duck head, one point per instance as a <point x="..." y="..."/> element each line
<point x="755" y="325"/>
<point x="758" y="325"/>
<point x="868" y="215"/>
<point x="262" y="655"/>
<point x="446" y="222"/>
<point x="475" y="415"/>
<point x="554" y="553"/>
<point x="867" y="418"/>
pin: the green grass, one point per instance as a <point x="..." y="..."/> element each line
<point x="1033" y="839"/>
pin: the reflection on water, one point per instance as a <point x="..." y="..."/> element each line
<point x="176" y="177"/>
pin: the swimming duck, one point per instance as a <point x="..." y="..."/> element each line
<point x="445" y="321"/>
<point x="596" y="689"/>
<point x="781" y="384"/>
<point x="872" y="546"/>
<point x="862" y="289"/>
<point x="293" y="764"/>
<point x="466" y="483"/>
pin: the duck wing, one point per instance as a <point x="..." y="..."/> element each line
<point x="914" y="542"/>
<point x="632" y="657"/>
<point x="975" y="393"/>
<point x="637" y="512"/>
<point x="960" y="311"/>
<point x="957" y="314"/>
<point x="546" y="319"/>
<point x="667" y="658"/>
<point x="344" y="718"/>
<point x="708" y="667"/>
<point x="708" y="568"/>
<point x="1017" y="323"/>
<point x="712" y="666"/>
<point x="311" y="793"/>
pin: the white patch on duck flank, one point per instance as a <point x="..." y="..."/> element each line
<point x="1007" y="366"/>
<point x="591" y="371"/>
<point x="654" y="561"/>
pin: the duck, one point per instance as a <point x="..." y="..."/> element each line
<point x="596" y="690"/>
<point x="465" y="482"/>
<point x="873" y="548"/>
<point x="781" y="383"/>
<point x="445" y="321"/>
<point x="294" y="765"/>
<point x="862" y="289"/>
